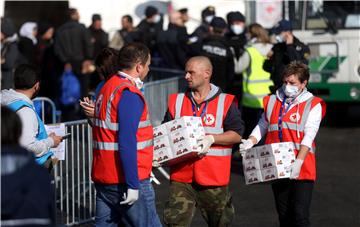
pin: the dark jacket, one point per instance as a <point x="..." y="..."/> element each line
<point x="172" y="46"/>
<point x="28" y="51"/>
<point x="237" y="43"/>
<point x="9" y="56"/>
<point x="73" y="43"/>
<point x="100" y="40"/>
<point x="147" y="33"/>
<point x="216" y="48"/>
<point x="283" y="54"/>
<point x="26" y="192"/>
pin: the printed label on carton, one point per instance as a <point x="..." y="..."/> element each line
<point x="269" y="174"/>
<point x="251" y="164"/>
<point x="160" y="130"/>
<point x="253" y="176"/>
<point x="161" y="142"/>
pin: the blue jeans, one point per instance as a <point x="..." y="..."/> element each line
<point x="109" y="212"/>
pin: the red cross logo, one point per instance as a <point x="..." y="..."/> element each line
<point x="209" y="119"/>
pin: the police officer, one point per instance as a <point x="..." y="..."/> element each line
<point x="216" y="48"/>
<point x="287" y="49"/>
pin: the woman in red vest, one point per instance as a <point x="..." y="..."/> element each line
<point x="293" y="114"/>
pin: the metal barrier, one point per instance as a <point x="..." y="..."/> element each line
<point x="46" y="106"/>
<point x="74" y="190"/>
<point x="156" y="94"/>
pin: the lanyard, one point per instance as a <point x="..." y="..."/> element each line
<point x="203" y="112"/>
<point x="280" y="118"/>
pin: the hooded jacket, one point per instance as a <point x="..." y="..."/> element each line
<point x="29" y="122"/>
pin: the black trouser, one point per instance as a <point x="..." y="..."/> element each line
<point x="293" y="198"/>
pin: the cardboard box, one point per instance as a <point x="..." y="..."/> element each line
<point x="181" y="138"/>
<point x="253" y="176"/>
<point x="273" y="160"/>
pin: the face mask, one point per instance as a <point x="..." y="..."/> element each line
<point x="237" y="29"/>
<point x="279" y="39"/>
<point x="157" y="18"/>
<point x="208" y="19"/>
<point x="291" y="91"/>
<point x="138" y="82"/>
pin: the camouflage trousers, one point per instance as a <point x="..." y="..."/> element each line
<point x="214" y="204"/>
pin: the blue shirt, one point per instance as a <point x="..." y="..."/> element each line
<point x="130" y="109"/>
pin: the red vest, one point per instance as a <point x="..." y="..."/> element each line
<point x="107" y="167"/>
<point x="292" y="127"/>
<point x="214" y="168"/>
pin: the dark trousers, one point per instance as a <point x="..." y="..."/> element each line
<point x="293" y="198"/>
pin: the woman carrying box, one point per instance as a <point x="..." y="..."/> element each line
<point x="293" y="114"/>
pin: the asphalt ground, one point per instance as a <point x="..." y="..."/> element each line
<point x="336" y="196"/>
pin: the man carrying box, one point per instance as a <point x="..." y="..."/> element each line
<point x="203" y="182"/>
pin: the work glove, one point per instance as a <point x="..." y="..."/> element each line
<point x="205" y="143"/>
<point x="131" y="197"/>
<point x="295" y="168"/>
<point x="244" y="146"/>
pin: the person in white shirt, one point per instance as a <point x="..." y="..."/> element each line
<point x="293" y="114"/>
<point x="33" y="137"/>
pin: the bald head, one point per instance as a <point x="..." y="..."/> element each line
<point x="202" y="62"/>
<point x="198" y="72"/>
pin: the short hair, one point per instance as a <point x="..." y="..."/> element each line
<point x="25" y="77"/>
<point x="10" y="127"/>
<point x="298" y="69"/>
<point x="128" y="18"/>
<point x="131" y="54"/>
<point x="204" y="61"/>
<point x="71" y="12"/>
<point x="106" y="62"/>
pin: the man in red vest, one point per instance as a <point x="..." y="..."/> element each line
<point x="293" y="114"/>
<point x="203" y="182"/>
<point x="123" y="145"/>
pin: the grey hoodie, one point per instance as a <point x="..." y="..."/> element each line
<point x="30" y="126"/>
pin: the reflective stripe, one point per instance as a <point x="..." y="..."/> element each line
<point x="273" y="127"/>
<point x="105" y="146"/>
<point x="178" y="105"/>
<point x="108" y="146"/>
<point x="28" y="221"/>
<point x="144" y="144"/>
<point x="106" y="124"/>
<point x="253" y="96"/>
<point x="297" y="147"/>
<point x="219" y="152"/>
<point x="258" y="81"/>
<point x="220" y="112"/>
<point x="306" y="112"/>
<point x="212" y="130"/>
<point x="108" y="105"/>
<point x="143" y="124"/>
<point x="270" y="106"/>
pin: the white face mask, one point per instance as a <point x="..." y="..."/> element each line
<point x="208" y="19"/>
<point x="279" y="39"/>
<point x="237" y="29"/>
<point x="139" y="83"/>
<point x="291" y="91"/>
<point x="156" y="18"/>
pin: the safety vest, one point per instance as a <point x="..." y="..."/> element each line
<point x="214" y="168"/>
<point x="41" y="134"/>
<point x="256" y="81"/>
<point x="292" y="128"/>
<point x="106" y="166"/>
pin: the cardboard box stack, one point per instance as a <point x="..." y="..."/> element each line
<point x="268" y="162"/>
<point x="176" y="140"/>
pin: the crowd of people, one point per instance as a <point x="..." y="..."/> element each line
<point x="243" y="85"/>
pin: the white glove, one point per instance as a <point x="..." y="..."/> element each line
<point x="132" y="196"/>
<point x="295" y="168"/>
<point x="205" y="143"/>
<point x="244" y="146"/>
<point x="155" y="164"/>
